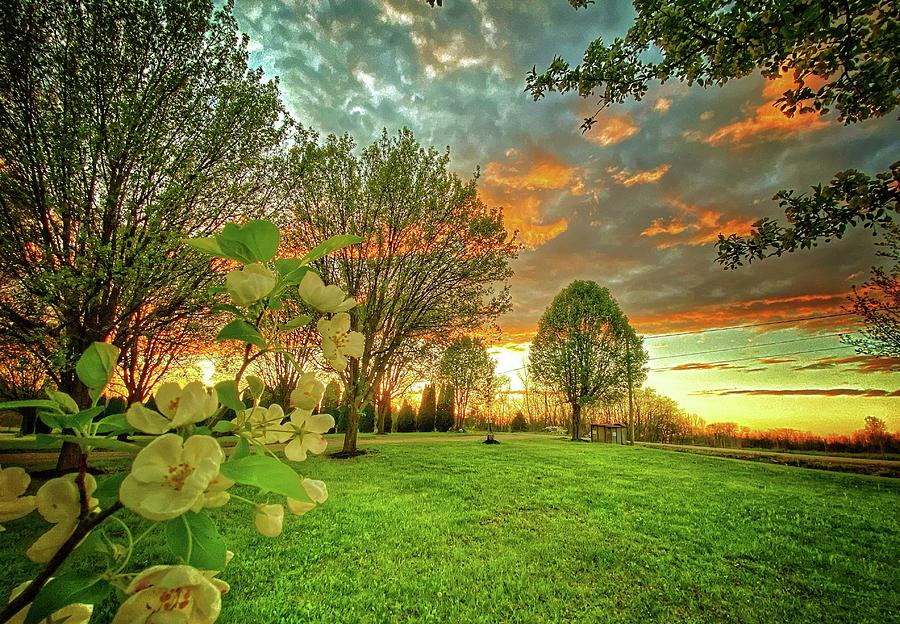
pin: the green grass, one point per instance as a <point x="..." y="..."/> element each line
<point x="551" y="531"/>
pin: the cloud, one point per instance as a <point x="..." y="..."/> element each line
<point x="525" y="184"/>
<point x="699" y="366"/>
<point x="662" y="105"/>
<point x="611" y="129"/>
<point x="863" y="364"/>
<point x="774" y="360"/>
<point x="817" y="392"/>
<point x="702" y="225"/>
<point x="649" y="176"/>
<point x="767" y="122"/>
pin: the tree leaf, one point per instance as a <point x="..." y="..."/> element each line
<point x="194" y="538"/>
<point x="96" y="365"/>
<point x="332" y="244"/>
<point x="255" y="385"/>
<point x="241" y="449"/>
<point x="223" y="426"/>
<point x="266" y="473"/>
<point x="41" y="403"/>
<point x="294" y="323"/>
<point x="92" y="441"/>
<point x="259" y="238"/>
<point x="115" y="424"/>
<point x="66" y="589"/>
<point x="207" y="245"/>
<point x="82" y="418"/>
<point x="228" y="395"/>
<point x="107" y="491"/>
<point x="242" y="331"/>
<point x="291" y="270"/>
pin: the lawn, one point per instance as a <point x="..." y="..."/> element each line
<point x="542" y="530"/>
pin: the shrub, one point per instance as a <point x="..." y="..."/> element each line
<point x="388" y="418"/>
<point x="406" y="419"/>
<point x="443" y="419"/>
<point x="341" y="420"/>
<point x="518" y="423"/>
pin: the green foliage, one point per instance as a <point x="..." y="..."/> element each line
<point x="194" y="539"/>
<point x="66" y="589"/>
<point x="388" y="417"/>
<point x="115" y="405"/>
<point x="427" y="409"/>
<point x="467" y="368"/>
<point x="443" y="419"/>
<point x="367" y="419"/>
<point x="841" y="55"/>
<point x="585" y="348"/>
<point x="340" y="421"/>
<point x="331" y="398"/>
<point x="406" y="419"/>
<point x="518" y="423"/>
<point x="96" y="366"/>
<point x="266" y="473"/>
<point x="877" y="302"/>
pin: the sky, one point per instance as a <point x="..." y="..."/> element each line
<point x="634" y="204"/>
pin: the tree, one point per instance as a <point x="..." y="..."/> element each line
<point x="876" y="433"/>
<point x="878" y="303"/>
<point x="123" y="128"/>
<point x="367" y="419"/>
<point x="427" y="409"/>
<point x="518" y="423"/>
<point x="413" y="361"/>
<point x="434" y="258"/>
<point x="406" y="419"/>
<point x="331" y="398"/>
<point x="585" y="348"/>
<point x="841" y="55"/>
<point x="443" y="418"/>
<point x="467" y="368"/>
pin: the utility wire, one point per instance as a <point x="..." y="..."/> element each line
<point x="762" y="344"/>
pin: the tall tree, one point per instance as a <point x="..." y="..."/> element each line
<point x="124" y="126"/>
<point x="434" y="258"/>
<point x="427" y="409"/>
<point x="585" y="348"/>
<point x="878" y="303"/>
<point x="842" y="55"/>
<point x="443" y="417"/>
<point x="467" y="368"/>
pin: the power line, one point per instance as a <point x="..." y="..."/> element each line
<point x="762" y="344"/>
<point x="756" y="357"/>
<point x="716" y="329"/>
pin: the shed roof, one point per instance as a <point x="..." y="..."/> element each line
<point x="608" y="425"/>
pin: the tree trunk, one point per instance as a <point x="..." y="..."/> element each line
<point x="71" y="455"/>
<point x="576" y="421"/>
<point x="379" y="412"/>
<point x="352" y="427"/>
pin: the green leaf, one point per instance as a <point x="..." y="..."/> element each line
<point x="332" y="244"/>
<point x="41" y="403"/>
<point x="92" y="441"/>
<point x="207" y="245"/>
<point x="260" y="239"/>
<point x="266" y="473"/>
<point x="55" y="420"/>
<point x="66" y="589"/>
<point x="194" y="538"/>
<point x="291" y="270"/>
<point x="96" y="365"/>
<point x="241" y="449"/>
<point x="65" y="402"/>
<point x="227" y="307"/>
<point x="84" y="417"/>
<point x="107" y="491"/>
<point x="228" y="395"/>
<point x="256" y="386"/>
<point x="294" y="323"/>
<point x="242" y="331"/>
<point x="115" y="424"/>
<point x="223" y="426"/>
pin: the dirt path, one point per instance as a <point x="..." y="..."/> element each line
<point x="860" y="465"/>
<point x="48" y="458"/>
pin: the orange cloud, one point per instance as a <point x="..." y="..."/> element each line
<point x="650" y="176"/>
<point x="864" y="364"/>
<point x="612" y="129"/>
<point x="703" y="225"/>
<point x="767" y="121"/>
<point x="831" y="392"/>
<point x="751" y="311"/>
<point x="662" y="105"/>
<point x="522" y="184"/>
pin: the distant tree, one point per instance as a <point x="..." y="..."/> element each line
<point x="21" y="378"/>
<point x="878" y="303"/>
<point x="125" y="125"/>
<point x="340" y="420"/>
<point x="406" y="419"/>
<point x="585" y="348"/>
<point x="427" y="409"/>
<point x="331" y="398"/>
<point x="467" y="368"/>
<point x="841" y="55"/>
<point x="414" y="361"/>
<point x="434" y="259"/>
<point x="443" y="418"/>
<point x="367" y="419"/>
<point x="876" y="433"/>
<point x="518" y="423"/>
<point x="387" y="416"/>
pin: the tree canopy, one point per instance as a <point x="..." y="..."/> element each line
<point x="842" y="56"/>
<point x="466" y="367"/>
<point x="434" y="259"/>
<point x="586" y="349"/>
<point x="877" y="302"/>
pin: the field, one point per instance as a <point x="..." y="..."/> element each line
<point x="542" y="530"/>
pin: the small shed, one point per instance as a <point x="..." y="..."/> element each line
<point x="613" y="433"/>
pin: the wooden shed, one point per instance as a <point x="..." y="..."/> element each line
<point x="613" y="433"/>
